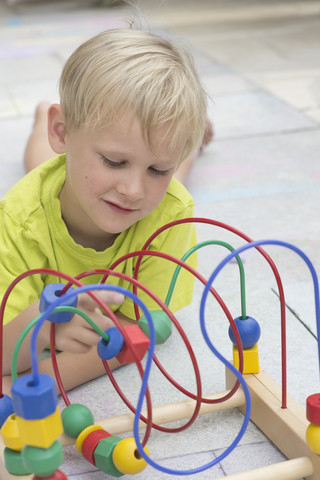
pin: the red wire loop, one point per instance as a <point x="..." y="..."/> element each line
<point x="135" y="285"/>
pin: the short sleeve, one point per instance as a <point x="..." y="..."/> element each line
<point x="16" y="256"/>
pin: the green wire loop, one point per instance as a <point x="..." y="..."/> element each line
<point x="194" y="249"/>
<point x="33" y="323"/>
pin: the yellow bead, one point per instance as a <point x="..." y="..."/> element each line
<point x="250" y="359"/>
<point x="84" y="434"/>
<point x="10" y="434"/>
<point x="313" y="438"/>
<point x="126" y="457"/>
<point x="42" y="432"/>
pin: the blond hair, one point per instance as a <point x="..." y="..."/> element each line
<point x="125" y="70"/>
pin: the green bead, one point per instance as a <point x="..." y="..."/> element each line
<point x="14" y="462"/>
<point x="43" y="461"/>
<point x="75" y="418"/>
<point x="162" y="325"/>
<point x="103" y="456"/>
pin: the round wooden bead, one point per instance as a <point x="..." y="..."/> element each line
<point x="249" y="331"/>
<point x="14" y="462"/>
<point x="58" y="475"/>
<point x="313" y="438"/>
<point x="84" y="434"/>
<point x="162" y="325"/>
<point x="126" y="457"/>
<point x="50" y="294"/>
<point x="10" y="434"/>
<point x="6" y="408"/>
<point x="34" y="401"/>
<point x="103" y="456"/>
<point x="313" y="408"/>
<point x="90" y="443"/>
<point x="107" y="350"/>
<point x="75" y="418"/>
<point x="43" y="461"/>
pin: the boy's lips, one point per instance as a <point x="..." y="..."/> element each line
<point x="119" y="209"/>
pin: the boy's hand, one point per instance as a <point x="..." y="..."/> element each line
<point x="77" y="336"/>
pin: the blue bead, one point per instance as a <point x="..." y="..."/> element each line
<point x="108" y="350"/>
<point x="6" y="408"/>
<point x="249" y="331"/>
<point x="34" y="401"/>
<point x="50" y="294"/>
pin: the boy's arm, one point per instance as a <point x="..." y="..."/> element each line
<point x="75" y="336"/>
<point x="75" y="368"/>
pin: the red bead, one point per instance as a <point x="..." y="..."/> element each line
<point x="58" y="475"/>
<point x="140" y="343"/>
<point x="90" y="444"/>
<point x="313" y="408"/>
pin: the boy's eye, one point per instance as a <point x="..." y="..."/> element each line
<point x="155" y="171"/>
<point x="112" y="163"/>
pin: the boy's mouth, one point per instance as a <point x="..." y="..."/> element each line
<point x="119" y="209"/>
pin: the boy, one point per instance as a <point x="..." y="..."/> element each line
<point x="132" y="109"/>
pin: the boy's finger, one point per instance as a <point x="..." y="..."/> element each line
<point x="109" y="297"/>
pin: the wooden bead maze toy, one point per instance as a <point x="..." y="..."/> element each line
<point x="34" y="431"/>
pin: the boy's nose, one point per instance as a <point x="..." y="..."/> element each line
<point x="132" y="187"/>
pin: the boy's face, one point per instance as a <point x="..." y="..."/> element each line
<point x="113" y="180"/>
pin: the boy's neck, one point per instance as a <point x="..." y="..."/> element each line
<point x="98" y="244"/>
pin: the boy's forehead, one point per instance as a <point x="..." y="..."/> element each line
<point x="124" y="135"/>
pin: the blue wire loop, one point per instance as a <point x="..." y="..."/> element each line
<point x="286" y="245"/>
<point x="223" y="360"/>
<point x="144" y="383"/>
<point x="69" y="295"/>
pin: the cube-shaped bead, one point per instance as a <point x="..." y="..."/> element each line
<point x="11" y="435"/>
<point x="40" y="433"/>
<point x="140" y="343"/>
<point x="250" y="359"/>
<point x="103" y="456"/>
<point x="31" y="400"/>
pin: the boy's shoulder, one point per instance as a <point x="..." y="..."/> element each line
<point x="176" y="203"/>
<point x="178" y="194"/>
<point x="27" y="194"/>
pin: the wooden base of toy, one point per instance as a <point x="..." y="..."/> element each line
<point x="286" y="428"/>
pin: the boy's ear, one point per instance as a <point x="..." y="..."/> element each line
<point x="56" y="129"/>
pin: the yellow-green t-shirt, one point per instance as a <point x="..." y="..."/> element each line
<point x="33" y="235"/>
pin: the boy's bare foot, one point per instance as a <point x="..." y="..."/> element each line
<point x="185" y="167"/>
<point x="208" y="134"/>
